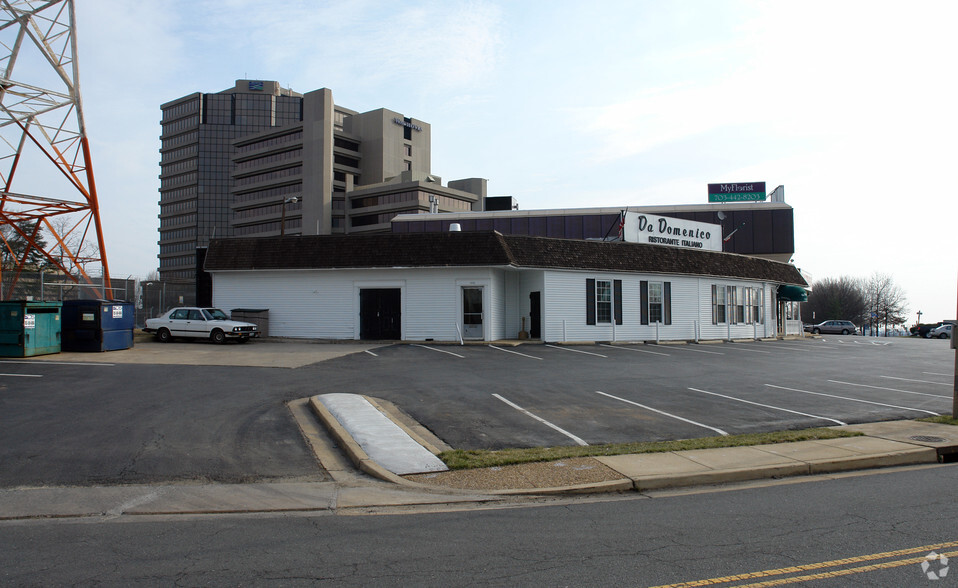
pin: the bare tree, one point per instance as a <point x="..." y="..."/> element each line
<point x="886" y="301"/>
<point x="842" y="298"/>
<point x="83" y="250"/>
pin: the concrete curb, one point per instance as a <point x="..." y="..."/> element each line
<point x="417" y="432"/>
<point x="917" y="456"/>
<point x="367" y="465"/>
<point x="622" y="485"/>
<point x="352" y="449"/>
<point x="717" y="477"/>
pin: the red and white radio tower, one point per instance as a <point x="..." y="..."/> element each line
<point x="48" y="192"/>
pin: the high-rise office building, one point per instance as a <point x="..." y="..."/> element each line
<point x="261" y="160"/>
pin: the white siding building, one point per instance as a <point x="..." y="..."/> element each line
<point x="486" y="286"/>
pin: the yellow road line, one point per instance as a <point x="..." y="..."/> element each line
<point x="822" y="565"/>
<point x="844" y="572"/>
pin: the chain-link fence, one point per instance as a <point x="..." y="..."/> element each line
<point x="156" y="297"/>
<point x="150" y="298"/>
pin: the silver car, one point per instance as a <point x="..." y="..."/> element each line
<point x="834" y="328"/>
<point x="942" y="332"/>
<point x="209" y="323"/>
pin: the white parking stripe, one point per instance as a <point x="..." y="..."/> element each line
<point x="824" y="344"/>
<point x="689" y="348"/>
<point x="633" y="349"/>
<point x="934" y="374"/>
<point x="516" y="353"/>
<point x="439" y="350"/>
<point x="814" y="416"/>
<point x="889" y="389"/>
<point x="739" y="348"/>
<point x="22" y="375"/>
<point x="541" y="420"/>
<point x="44" y="362"/>
<point x="576" y="350"/>
<point x="918" y="381"/>
<point x="371" y="353"/>
<point x="662" y="412"/>
<point x="796" y="347"/>
<point x="852" y="399"/>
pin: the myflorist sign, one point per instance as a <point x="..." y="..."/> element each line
<point x="737" y="192"/>
<point x="674" y="232"/>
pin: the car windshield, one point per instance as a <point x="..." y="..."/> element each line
<point x="215" y="314"/>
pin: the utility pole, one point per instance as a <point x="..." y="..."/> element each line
<point x="954" y="345"/>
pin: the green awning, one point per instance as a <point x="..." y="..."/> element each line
<point x="792" y="293"/>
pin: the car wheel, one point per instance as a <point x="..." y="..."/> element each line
<point x="218" y="336"/>
<point x="844" y="331"/>
<point x="816" y="331"/>
<point x="164" y="336"/>
<point x="943" y="336"/>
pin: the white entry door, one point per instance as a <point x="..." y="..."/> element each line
<point x="472" y="312"/>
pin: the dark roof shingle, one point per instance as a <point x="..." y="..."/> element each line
<point x="485" y="248"/>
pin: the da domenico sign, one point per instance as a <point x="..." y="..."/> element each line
<point x="672" y="232"/>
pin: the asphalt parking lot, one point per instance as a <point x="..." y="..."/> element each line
<point x="490" y="397"/>
<point x="200" y="412"/>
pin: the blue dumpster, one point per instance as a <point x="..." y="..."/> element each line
<point x="29" y="328"/>
<point x="97" y="325"/>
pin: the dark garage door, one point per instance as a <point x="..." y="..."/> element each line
<point x="379" y="313"/>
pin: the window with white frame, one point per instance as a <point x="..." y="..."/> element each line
<point x="757" y="305"/>
<point x="603" y="301"/>
<point x="718" y="304"/>
<point x="737" y="302"/>
<point x="655" y="302"/>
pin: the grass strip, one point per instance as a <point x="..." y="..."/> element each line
<point x="942" y="419"/>
<point x="461" y="459"/>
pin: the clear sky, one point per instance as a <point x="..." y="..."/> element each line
<point x="848" y="104"/>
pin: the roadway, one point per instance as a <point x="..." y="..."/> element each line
<point x="856" y="529"/>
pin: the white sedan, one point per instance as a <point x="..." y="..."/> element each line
<point x="210" y="323"/>
<point x="943" y="332"/>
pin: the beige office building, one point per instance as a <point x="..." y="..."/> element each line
<point x="261" y="160"/>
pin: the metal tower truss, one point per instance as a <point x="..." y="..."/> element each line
<point x="48" y="203"/>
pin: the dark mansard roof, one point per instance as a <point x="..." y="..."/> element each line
<point x="484" y="248"/>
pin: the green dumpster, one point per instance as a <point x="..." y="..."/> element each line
<point x="29" y="328"/>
